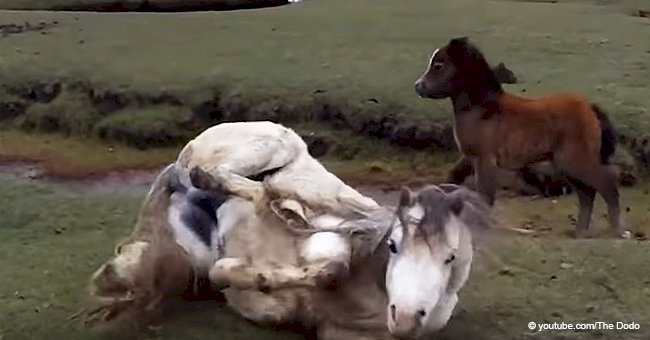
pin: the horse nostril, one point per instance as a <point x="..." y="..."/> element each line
<point x="392" y="311"/>
<point x="422" y="313"/>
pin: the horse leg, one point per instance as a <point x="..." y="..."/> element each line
<point x="462" y="169"/>
<point x="486" y="172"/>
<point x="230" y="173"/>
<point x="326" y="257"/>
<point x="586" y="195"/>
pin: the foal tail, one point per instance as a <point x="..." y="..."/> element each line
<point x="608" y="137"/>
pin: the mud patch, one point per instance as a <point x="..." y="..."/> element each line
<point x="42" y="26"/>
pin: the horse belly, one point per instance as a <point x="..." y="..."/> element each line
<point x="263" y="243"/>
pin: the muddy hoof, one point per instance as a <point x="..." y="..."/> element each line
<point x="221" y="273"/>
<point x="200" y="179"/>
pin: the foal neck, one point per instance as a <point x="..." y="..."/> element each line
<point x="479" y="92"/>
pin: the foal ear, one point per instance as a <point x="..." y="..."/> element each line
<point x="406" y="197"/>
<point x="458" y="48"/>
<point x="460" y="41"/>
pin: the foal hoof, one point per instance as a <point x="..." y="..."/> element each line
<point x="626" y="235"/>
<point x="581" y="235"/>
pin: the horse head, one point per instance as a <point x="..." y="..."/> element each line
<point x="430" y="256"/>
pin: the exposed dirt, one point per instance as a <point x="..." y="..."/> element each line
<point x="42" y="26"/>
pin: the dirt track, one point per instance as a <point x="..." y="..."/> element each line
<point x="137" y="182"/>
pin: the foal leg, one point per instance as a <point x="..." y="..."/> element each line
<point x="326" y="257"/>
<point x="603" y="178"/>
<point x="462" y="169"/>
<point x="486" y="172"/>
<point x="586" y="195"/>
<point x="610" y="193"/>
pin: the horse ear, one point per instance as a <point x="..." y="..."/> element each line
<point x="406" y="197"/>
<point x="456" y="205"/>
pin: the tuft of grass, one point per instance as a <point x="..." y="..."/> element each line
<point x="155" y="126"/>
<point x="69" y="113"/>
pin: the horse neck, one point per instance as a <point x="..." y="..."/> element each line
<point x="361" y="302"/>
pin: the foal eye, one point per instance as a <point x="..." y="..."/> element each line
<point x="438" y="66"/>
<point x="392" y="247"/>
<point x="450" y="259"/>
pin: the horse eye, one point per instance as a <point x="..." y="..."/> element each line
<point x="438" y="66"/>
<point x="392" y="247"/>
<point x="450" y="259"/>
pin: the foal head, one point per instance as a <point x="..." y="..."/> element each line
<point x="455" y="68"/>
<point x="428" y="250"/>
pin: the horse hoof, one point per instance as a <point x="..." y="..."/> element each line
<point x="221" y="273"/>
<point x="199" y="178"/>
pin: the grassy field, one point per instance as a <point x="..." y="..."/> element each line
<point x="363" y="59"/>
<point x="99" y="87"/>
<point x="52" y="238"/>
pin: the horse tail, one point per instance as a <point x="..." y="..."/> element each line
<point x="608" y="136"/>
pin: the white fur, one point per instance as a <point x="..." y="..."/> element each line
<point x="452" y="231"/>
<point x="232" y="151"/>
<point x="416" y="213"/>
<point x="325" y="245"/>
<point x="433" y="56"/>
<point x="128" y="261"/>
<point x="230" y="213"/>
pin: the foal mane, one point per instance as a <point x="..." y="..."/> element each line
<point x="469" y="60"/>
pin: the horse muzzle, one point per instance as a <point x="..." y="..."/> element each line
<point x="404" y="325"/>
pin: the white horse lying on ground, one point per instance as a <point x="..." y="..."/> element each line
<point x="298" y="246"/>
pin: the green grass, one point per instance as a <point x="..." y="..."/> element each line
<point x="74" y="157"/>
<point x="52" y="239"/>
<point x="145" y="128"/>
<point x="70" y="114"/>
<point x="352" y="50"/>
